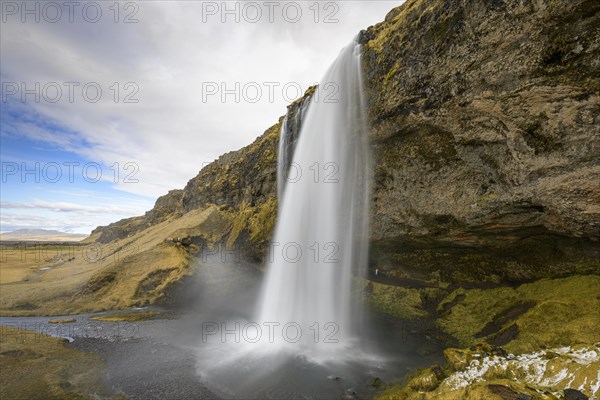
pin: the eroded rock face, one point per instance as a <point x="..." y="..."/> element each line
<point x="241" y="182"/>
<point x="485" y="127"/>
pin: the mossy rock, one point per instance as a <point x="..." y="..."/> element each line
<point x="427" y="381"/>
<point x="396" y="301"/>
<point x="457" y="359"/>
<point x="560" y="312"/>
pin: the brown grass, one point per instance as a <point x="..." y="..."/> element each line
<point x="62" y="321"/>
<point x="36" y="366"/>
<point x="130" y="272"/>
<point x="130" y="317"/>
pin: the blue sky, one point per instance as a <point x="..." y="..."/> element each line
<point x="134" y="96"/>
<point x="46" y="185"/>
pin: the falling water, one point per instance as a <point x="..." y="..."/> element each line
<point x="321" y="234"/>
<point x="287" y="139"/>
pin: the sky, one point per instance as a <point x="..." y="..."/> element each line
<point x="107" y="105"/>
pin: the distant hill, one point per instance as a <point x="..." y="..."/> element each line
<point x="41" y="235"/>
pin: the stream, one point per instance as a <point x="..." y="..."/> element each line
<point x="177" y="355"/>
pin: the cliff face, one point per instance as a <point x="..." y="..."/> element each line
<point x="485" y="123"/>
<point x="482" y="111"/>
<point x="485" y="128"/>
<point x="242" y="184"/>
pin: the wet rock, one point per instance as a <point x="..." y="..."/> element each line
<point x="504" y="337"/>
<point x="457" y="359"/>
<point x="376" y="382"/>
<point x="573" y="394"/>
<point x="500" y="352"/>
<point x="428" y="380"/>
<point x="504" y="317"/>
<point x="506" y="393"/>
<point x="448" y="306"/>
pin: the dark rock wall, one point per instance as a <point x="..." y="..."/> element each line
<point x="486" y="127"/>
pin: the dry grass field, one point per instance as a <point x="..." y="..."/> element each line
<point x="57" y="279"/>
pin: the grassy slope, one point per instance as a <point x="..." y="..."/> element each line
<point x="129" y="263"/>
<point x="129" y="317"/>
<point x="558" y="313"/>
<point x="133" y="271"/>
<point x="564" y="312"/>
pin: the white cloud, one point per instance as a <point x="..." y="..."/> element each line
<point x="169" y="54"/>
<point x="64" y="216"/>
<point x="170" y="133"/>
<point x="66" y="207"/>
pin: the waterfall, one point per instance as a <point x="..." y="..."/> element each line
<point x="287" y="138"/>
<point x="282" y="158"/>
<point x="320" y="238"/>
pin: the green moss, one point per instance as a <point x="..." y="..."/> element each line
<point x="262" y="222"/>
<point x="451" y="299"/>
<point x="393" y="392"/>
<point x="130" y="317"/>
<point x="467" y="318"/>
<point x="418" y="381"/>
<point x="395" y="29"/>
<point x="566" y="311"/>
<point x="395" y="301"/>
<point x="37" y="366"/>
<point x="391" y="73"/>
<point x="257" y="221"/>
<point x="239" y="223"/>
